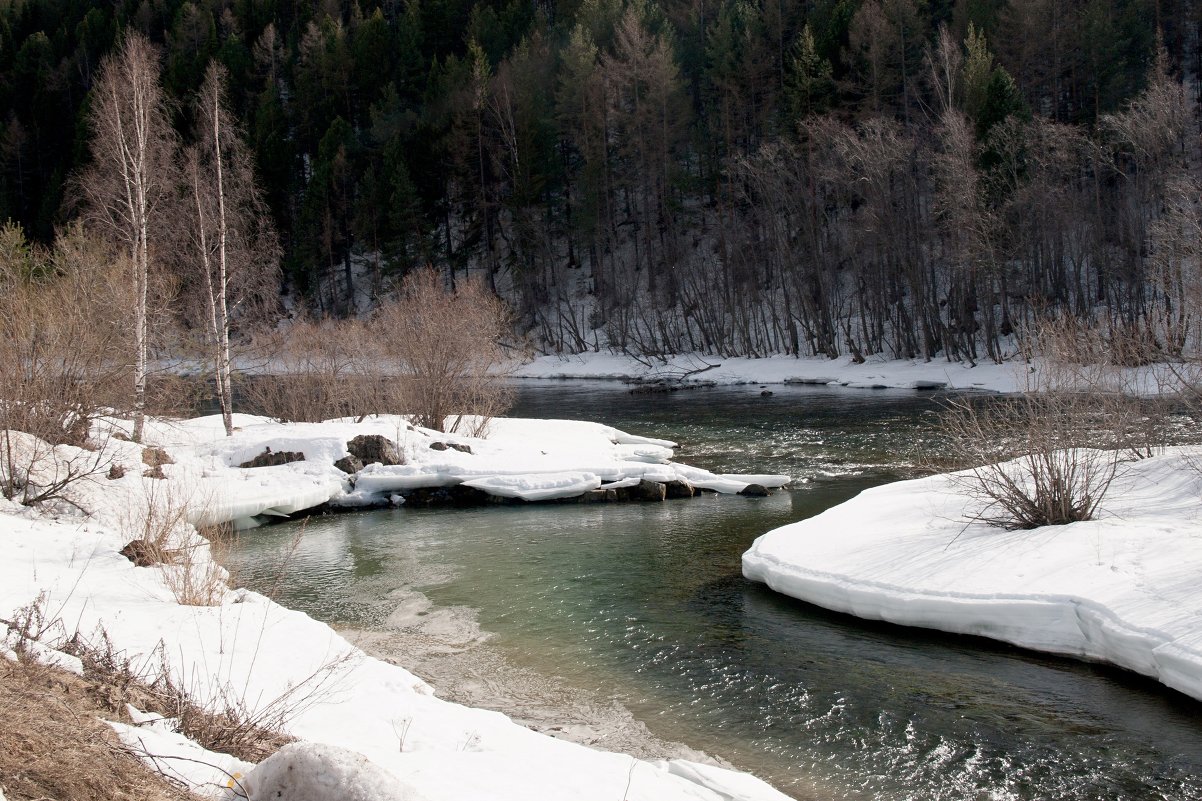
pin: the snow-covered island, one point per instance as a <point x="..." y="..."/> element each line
<point x="1125" y="588"/>
<point x="346" y="708"/>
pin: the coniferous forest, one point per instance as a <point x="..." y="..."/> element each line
<point x="913" y="178"/>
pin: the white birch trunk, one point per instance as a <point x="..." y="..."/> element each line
<point x="224" y="390"/>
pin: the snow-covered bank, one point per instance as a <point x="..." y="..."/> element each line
<point x="1124" y="589"/>
<point x="246" y="649"/>
<point x="872" y="374"/>
<point x="531" y="460"/>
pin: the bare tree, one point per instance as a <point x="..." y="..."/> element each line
<point x="233" y="240"/>
<point x="944" y="61"/>
<point x="130" y="181"/>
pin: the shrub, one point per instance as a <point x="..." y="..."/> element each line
<point x="1028" y="457"/>
<point x="63" y="337"/>
<point x="1048" y="456"/>
<point x="323" y="369"/>
<point x="447" y="349"/>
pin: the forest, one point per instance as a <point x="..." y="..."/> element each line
<point x="912" y="178"/>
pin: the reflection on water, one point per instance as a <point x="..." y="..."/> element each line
<point x="645" y="603"/>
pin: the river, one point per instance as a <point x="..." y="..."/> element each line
<point x="642" y="608"/>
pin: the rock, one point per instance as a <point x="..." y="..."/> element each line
<point x="350" y="464"/>
<point x="269" y="458"/>
<point x="593" y="496"/>
<point x="454" y="446"/>
<point x="155" y="457"/>
<point x="455" y="495"/>
<point x="679" y="489"/>
<point x="375" y="449"/>
<point x="116" y="471"/>
<point x="145" y="553"/>
<point x="649" y="491"/>
<point x="754" y="491"/>
<point x="306" y="771"/>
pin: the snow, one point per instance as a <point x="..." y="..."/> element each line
<point x="536" y="487"/>
<point x="280" y="664"/>
<point x="528" y="459"/>
<point x="874" y="373"/>
<point x="1125" y="588"/>
<point x="204" y="772"/>
<point x="319" y="772"/>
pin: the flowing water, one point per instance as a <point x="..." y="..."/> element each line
<point x="645" y="604"/>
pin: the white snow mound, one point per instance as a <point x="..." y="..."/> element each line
<point x="319" y="772"/>
<point x="1125" y="588"/>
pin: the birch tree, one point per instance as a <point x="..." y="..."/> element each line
<point x="129" y="183"/>
<point x="233" y="242"/>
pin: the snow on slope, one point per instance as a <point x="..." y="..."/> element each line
<point x="1124" y="589"/>
<point x="253" y="651"/>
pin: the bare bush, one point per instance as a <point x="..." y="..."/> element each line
<point x="63" y="337"/>
<point x="321" y="369"/>
<point x="1049" y="455"/>
<point x="431" y="353"/>
<point x="446" y="347"/>
<point x="1029" y="464"/>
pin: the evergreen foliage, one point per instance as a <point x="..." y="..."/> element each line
<point x="746" y="176"/>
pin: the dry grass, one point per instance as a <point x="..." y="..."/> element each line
<point x="52" y="746"/>
<point x="113" y="679"/>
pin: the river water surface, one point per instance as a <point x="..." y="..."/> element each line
<point x="643" y="605"/>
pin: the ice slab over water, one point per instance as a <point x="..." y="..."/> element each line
<point x="537" y="487"/>
<point x="1125" y="588"/>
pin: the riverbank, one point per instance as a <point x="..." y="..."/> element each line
<point x="63" y="562"/>
<point x="1125" y="588"/>
<point x="874" y="373"/>
<point x="447" y="650"/>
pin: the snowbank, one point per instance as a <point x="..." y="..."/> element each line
<point x="875" y="373"/>
<point x="247" y="649"/>
<point x="1124" y="589"/>
<point x="535" y="460"/>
